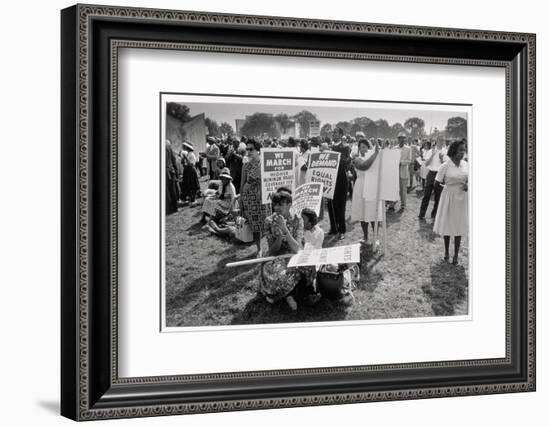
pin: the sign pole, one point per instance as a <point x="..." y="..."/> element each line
<point x="378" y="186"/>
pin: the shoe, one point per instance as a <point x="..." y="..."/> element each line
<point x="341" y="236"/>
<point x="332" y="232"/>
<point x="269" y="300"/>
<point x="291" y="303"/>
<point x="312" y="299"/>
<point x="455" y="260"/>
<point x="446" y="258"/>
<point x="421" y="217"/>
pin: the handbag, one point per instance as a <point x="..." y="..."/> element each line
<point x="243" y="231"/>
<point x="338" y="284"/>
<point x="330" y="283"/>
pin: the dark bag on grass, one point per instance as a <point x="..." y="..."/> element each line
<point x="330" y="283"/>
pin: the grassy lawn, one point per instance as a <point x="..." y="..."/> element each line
<point x="411" y="280"/>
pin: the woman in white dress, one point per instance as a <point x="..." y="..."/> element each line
<point x="361" y="209"/>
<point x="452" y="214"/>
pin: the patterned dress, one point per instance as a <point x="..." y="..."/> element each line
<point x="251" y="198"/>
<point x="277" y="279"/>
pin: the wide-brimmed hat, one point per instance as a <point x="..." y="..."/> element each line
<point x="402" y="135"/>
<point x="187" y="146"/>
<point x="225" y="173"/>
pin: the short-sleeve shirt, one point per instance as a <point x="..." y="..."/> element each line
<point x="314" y="238"/>
<point x="451" y="174"/>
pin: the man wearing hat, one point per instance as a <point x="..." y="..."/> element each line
<point x="212" y="155"/>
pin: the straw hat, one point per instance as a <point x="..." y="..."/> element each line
<point x="225" y="173"/>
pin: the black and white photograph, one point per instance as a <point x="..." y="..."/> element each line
<point x="293" y="211"/>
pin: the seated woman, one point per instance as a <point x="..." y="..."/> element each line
<point x="214" y="210"/>
<point x="284" y="232"/>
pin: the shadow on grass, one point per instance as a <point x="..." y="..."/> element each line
<point x="218" y="283"/>
<point x="449" y="287"/>
<point x="425" y="230"/>
<point x="370" y="273"/>
<point x="259" y="311"/>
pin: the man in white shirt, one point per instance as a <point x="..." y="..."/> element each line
<point x="437" y="157"/>
<point x="405" y="160"/>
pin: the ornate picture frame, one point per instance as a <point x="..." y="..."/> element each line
<point x="91" y="39"/>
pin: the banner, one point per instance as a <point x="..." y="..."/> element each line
<point x="277" y="169"/>
<point x="389" y="181"/>
<point x="308" y="195"/>
<point x="323" y="168"/>
<point x="314" y="128"/>
<point x="325" y="256"/>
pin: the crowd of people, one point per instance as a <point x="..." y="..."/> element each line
<point x="437" y="169"/>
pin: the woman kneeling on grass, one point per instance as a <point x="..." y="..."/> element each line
<point x="284" y="232"/>
<point x="452" y="213"/>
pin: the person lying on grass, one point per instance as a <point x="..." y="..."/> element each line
<point x="284" y="232"/>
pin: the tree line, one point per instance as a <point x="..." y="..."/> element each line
<point x="260" y="124"/>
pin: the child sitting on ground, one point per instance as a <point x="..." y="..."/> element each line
<point x="313" y="233"/>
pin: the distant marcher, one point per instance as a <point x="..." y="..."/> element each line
<point x="302" y="162"/>
<point x="404" y="162"/>
<point x="189" y="185"/>
<point x="452" y="215"/>
<point x="364" y="210"/>
<point x="414" y="166"/>
<point x="433" y="163"/>
<point x="212" y="155"/>
<point x="425" y="154"/>
<point x="171" y="174"/>
<point x="251" y="192"/>
<point x="234" y="160"/>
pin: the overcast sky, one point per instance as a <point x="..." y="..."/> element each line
<point x="228" y="112"/>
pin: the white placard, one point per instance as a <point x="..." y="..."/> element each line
<point x="277" y="170"/>
<point x="323" y="167"/>
<point x="388" y="159"/>
<point x="326" y="256"/>
<point x="308" y="195"/>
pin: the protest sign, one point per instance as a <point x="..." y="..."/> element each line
<point x="277" y="169"/>
<point x="325" y="256"/>
<point x="389" y="177"/>
<point x="323" y="168"/>
<point x="314" y="128"/>
<point x="308" y="195"/>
